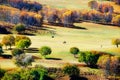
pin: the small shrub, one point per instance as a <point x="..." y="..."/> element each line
<point x="16" y="52"/>
<point x="20" y="28"/>
<point x="2" y="72"/>
<point x="71" y="70"/>
<point x="45" y="50"/>
<point x="11" y="76"/>
<point x="89" y="58"/>
<point x="74" y="51"/>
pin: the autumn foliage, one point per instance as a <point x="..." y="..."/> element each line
<point x="28" y="5"/>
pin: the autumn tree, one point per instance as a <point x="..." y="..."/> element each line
<point x="28" y="5"/>
<point x="110" y="64"/>
<point x="31" y="18"/>
<point x="67" y="18"/>
<point x="52" y="16"/>
<point x="108" y="17"/>
<point x="116" y="42"/>
<point x="93" y="4"/>
<point x="117" y="1"/>
<point x="104" y="8"/>
<point x="20" y="37"/>
<point x="116" y="20"/>
<point x="104" y="63"/>
<point x="8" y="40"/>
<point x="115" y="65"/>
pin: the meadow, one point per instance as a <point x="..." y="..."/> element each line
<point x="91" y="38"/>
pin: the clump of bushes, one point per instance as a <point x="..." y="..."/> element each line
<point x="71" y="70"/>
<point x="89" y="58"/>
<point x="17" y="52"/>
<point x="27" y="74"/>
<point x="110" y="63"/>
<point x="19" y="41"/>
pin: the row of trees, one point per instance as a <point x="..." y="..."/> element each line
<point x="101" y="7"/>
<point x="68" y="17"/>
<point x="23" y="4"/>
<point x="31" y="18"/>
<point x="60" y="16"/>
<point x="16" y="16"/>
<point x="37" y="73"/>
<point x="40" y="73"/>
<point x="18" y="41"/>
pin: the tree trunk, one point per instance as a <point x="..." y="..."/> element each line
<point x="6" y="47"/>
<point x="117" y="45"/>
<point x="10" y="47"/>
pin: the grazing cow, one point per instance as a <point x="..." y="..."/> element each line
<point x="64" y="42"/>
<point x="52" y="36"/>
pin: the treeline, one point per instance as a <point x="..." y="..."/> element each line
<point x="16" y="16"/>
<point x="28" y="5"/>
<point x="30" y="13"/>
<point x="69" y="17"/>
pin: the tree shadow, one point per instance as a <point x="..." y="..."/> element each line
<point x="6" y="56"/>
<point x="77" y="78"/>
<point x="36" y="57"/>
<point x="28" y="34"/>
<point x="31" y="50"/>
<point x="53" y="58"/>
<point x="4" y="30"/>
<point x="77" y="27"/>
<point x="47" y="78"/>
<point x="70" y="26"/>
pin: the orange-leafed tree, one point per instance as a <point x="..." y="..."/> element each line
<point x="116" y="20"/>
<point x="8" y="40"/>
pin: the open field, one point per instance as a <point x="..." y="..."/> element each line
<point x="74" y="4"/>
<point x="92" y="38"/>
<point x="71" y="4"/>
